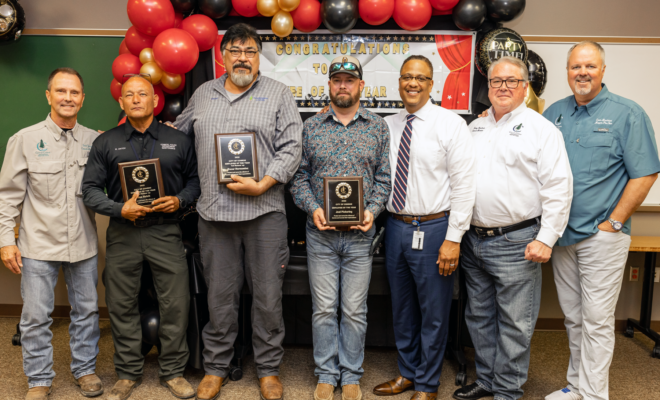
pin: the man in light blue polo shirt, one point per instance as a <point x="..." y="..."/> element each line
<point x="614" y="158"/>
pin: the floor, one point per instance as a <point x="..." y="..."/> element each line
<point x="634" y="374"/>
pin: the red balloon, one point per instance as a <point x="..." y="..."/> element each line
<point x="376" y="12"/>
<point x="122" y="48"/>
<point x="307" y="17"/>
<point x="176" y="51"/>
<point x="246" y="8"/>
<point x="161" y="100"/>
<point x="125" y="64"/>
<point x="442" y="12"/>
<point x="151" y="17"/>
<point x="412" y="15"/>
<point x="178" y="19"/>
<point x="203" y="29"/>
<point x="115" y="89"/>
<point x="444" y="5"/>
<point x="177" y="90"/>
<point x="136" y="41"/>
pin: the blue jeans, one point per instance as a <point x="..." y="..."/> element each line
<point x="504" y="296"/>
<point x="339" y="264"/>
<point x="38" y="281"/>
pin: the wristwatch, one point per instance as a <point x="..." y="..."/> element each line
<point x="182" y="202"/>
<point x="616" y="225"/>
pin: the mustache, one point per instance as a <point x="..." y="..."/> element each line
<point x="242" y="65"/>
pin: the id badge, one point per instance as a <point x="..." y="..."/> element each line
<point x="418" y="240"/>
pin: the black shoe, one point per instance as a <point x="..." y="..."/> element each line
<point x="472" y="392"/>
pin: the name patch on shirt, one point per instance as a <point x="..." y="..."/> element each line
<point x="602" y="130"/>
<point x="600" y="121"/>
<point x="478" y="129"/>
<point x="167" y="146"/>
<point x="120" y="148"/>
<point x="259" y="98"/>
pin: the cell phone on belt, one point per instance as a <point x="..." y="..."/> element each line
<point x="377" y="241"/>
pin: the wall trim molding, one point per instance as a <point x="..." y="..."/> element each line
<point x="528" y="38"/>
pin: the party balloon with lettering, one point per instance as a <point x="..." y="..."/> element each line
<point x="339" y="16"/>
<point x="151" y="17"/>
<point x="307" y="17"/>
<point x="468" y="15"/>
<point x="412" y="15"/>
<point x="376" y="12"/>
<point x="498" y="43"/>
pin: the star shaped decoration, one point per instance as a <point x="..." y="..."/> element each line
<point x="396" y="38"/>
<point x="316" y="103"/>
<point x="400" y="104"/>
<point x="316" y="37"/>
<point x="261" y="38"/>
<point x="309" y="103"/>
<point x="409" y="37"/>
<point x="323" y="37"/>
<point x="417" y="38"/>
<point x="387" y="104"/>
<point x="388" y="38"/>
<point x="381" y="38"/>
<point x="364" y="104"/>
<point x="424" y="38"/>
<point x="449" y="97"/>
<point x="288" y="38"/>
<point x="267" y="37"/>
<point x="463" y="94"/>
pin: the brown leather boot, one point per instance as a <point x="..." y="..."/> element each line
<point x="38" y="393"/>
<point x="424" y="396"/>
<point x="123" y="389"/>
<point x="90" y="385"/>
<point x="393" y="387"/>
<point x="179" y="387"/>
<point x="271" y="388"/>
<point x="209" y="387"/>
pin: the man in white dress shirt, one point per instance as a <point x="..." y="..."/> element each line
<point x="432" y="161"/>
<point x="524" y="192"/>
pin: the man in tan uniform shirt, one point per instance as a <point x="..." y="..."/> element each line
<point x="42" y="171"/>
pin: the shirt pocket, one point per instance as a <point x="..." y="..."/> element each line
<point x="516" y="151"/>
<point x="46" y="179"/>
<point x="597" y="148"/>
<point x="82" y="162"/>
<point x="427" y="154"/>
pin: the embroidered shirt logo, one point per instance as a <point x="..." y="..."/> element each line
<point x="478" y="129"/>
<point x="167" y="146"/>
<point x="517" y="130"/>
<point x="41" y="146"/>
<point x="558" y="120"/>
<point x="42" y="149"/>
<point x="601" y="121"/>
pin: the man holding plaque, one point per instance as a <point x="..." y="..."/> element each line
<point x="242" y="224"/>
<point x="343" y="183"/>
<point x="432" y="160"/>
<point x="150" y="172"/>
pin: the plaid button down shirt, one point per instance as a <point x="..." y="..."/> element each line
<point x="269" y="110"/>
<point x="331" y="149"/>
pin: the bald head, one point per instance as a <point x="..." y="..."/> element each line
<point x="138" y="99"/>
<point x="141" y="79"/>
<point x="590" y="44"/>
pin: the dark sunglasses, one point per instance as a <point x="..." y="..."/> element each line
<point x="346" y="66"/>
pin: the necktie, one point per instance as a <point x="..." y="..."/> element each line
<point x="402" y="163"/>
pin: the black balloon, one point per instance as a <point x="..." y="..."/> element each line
<point x="538" y="73"/>
<point x="150" y="321"/>
<point x="504" y="10"/>
<point x="122" y="114"/>
<point x="215" y="8"/>
<point x="173" y="107"/>
<point x="184" y="6"/>
<point x="469" y="14"/>
<point x="339" y="16"/>
<point x="12" y="21"/>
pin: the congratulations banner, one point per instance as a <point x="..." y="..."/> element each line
<point x="301" y="62"/>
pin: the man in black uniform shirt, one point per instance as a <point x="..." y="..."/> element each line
<point x="138" y="233"/>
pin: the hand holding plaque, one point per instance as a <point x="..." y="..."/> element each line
<point x="144" y="176"/>
<point x="343" y="201"/>
<point x="236" y="154"/>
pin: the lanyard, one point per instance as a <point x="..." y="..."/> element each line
<point x="151" y="155"/>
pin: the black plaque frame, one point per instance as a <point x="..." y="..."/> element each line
<point x="330" y="198"/>
<point x="154" y="163"/>
<point x="219" y="140"/>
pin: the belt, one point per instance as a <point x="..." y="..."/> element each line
<point x="408" y="219"/>
<point x="486" y="232"/>
<point x="147" y="222"/>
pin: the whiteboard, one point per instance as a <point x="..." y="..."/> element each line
<point x="629" y="73"/>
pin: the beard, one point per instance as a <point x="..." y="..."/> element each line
<point x="583" y="91"/>
<point x="241" y="79"/>
<point x="344" y="102"/>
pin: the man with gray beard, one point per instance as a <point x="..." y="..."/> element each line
<point x="242" y="225"/>
<point x="347" y="140"/>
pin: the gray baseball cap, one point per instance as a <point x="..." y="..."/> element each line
<point x="342" y="65"/>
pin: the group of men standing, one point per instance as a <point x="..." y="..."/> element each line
<point x="502" y="192"/>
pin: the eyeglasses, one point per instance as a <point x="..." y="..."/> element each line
<point x="419" y="78"/>
<point x="510" y="83"/>
<point x="145" y="76"/>
<point x="346" y="66"/>
<point x="248" y="53"/>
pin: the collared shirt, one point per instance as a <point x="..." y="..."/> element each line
<point x="609" y="141"/>
<point x="268" y="109"/>
<point x="331" y="149"/>
<point x="522" y="173"/>
<point x="177" y="162"/>
<point x="441" y="170"/>
<point x="43" y="170"/>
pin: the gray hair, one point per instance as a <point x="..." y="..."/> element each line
<point x="524" y="72"/>
<point x="593" y="44"/>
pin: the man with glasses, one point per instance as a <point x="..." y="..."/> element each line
<point x="614" y="158"/>
<point x="242" y="225"/>
<point x="524" y="192"/>
<point x="40" y="182"/>
<point x="137" y="233"/>
<point x="432" y="160"/>
<point x="345" y="141"/>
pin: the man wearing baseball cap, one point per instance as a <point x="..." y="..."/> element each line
<point x="347" y="140"/>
